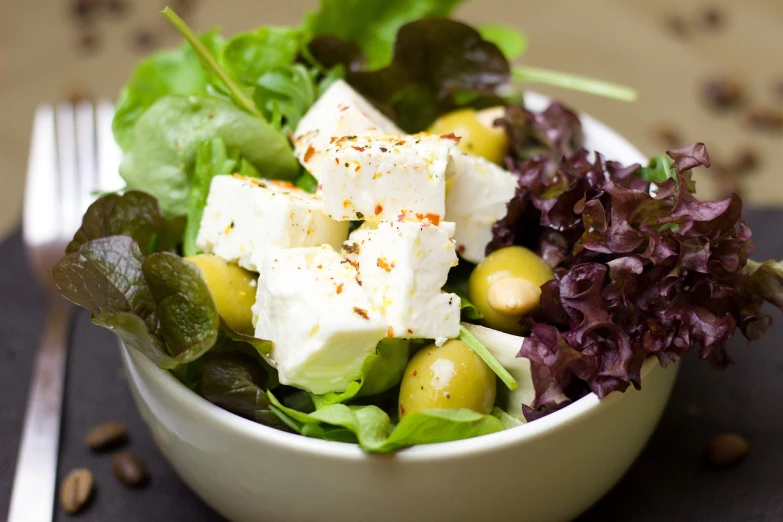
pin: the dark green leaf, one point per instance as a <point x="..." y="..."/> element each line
<point x="133" y="214"/>
<point x="211" y="160"/>
<point x="168" y="136"/>
<point x="307" y="182"/>
<point x="372" y="25"/>
<point x="189" y="320"/>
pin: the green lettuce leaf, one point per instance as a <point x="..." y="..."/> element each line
<point x="159" y="305"/>
<point x="135" y="214"/>
<point x="175" y="71"/>
<point x="373" y="431"/>
<point x="211" y="160"/>
<point x="168" y="136"/>
<point x="248" y="56"/>
<point x="372" y="25"/>
<point x="381" y="371"/>
<point x="285" y="94"/>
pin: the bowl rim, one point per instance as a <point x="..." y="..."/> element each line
<point x="588" y="405"/>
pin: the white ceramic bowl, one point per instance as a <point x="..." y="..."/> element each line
<point x="549" y="470"/>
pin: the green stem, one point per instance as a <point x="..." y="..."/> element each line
<point x="481" y="350"/>
<point x="210" y="63"/>
<point x="574" y="82"/>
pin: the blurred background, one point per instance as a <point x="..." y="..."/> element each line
<point x="705" y="71"/>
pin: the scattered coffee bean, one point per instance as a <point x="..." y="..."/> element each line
<point x="76" y="490"/>
<point x="84" y="9"/>
<point x="747" y="160"/>
<point x="145" y="40"/>
<point x="88" y="41"/>
<point x="105" y="436"/>
<point x="677" y="26"/>
<point x="764" y="119"/>
<point x="712" y="18"/>
<point x="117" y="7"/>
<point x="667" y="136"/>
<point x="723" y="93"/>
<point x="129" y="469"/>
<point x="78" y="93"/>
<point x="725" y="449"/>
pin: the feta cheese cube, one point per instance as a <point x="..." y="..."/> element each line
<point x="402" y="268"/>
<point x="475" y="199"/>
<point x="310" y="304"/>
<point x="340" y="111"/>
<point x="246" y="218"/>
<point x="379" y="178"/>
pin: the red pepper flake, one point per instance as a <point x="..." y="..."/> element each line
<point x="460" y="249"/>
<point x="415" y="373"/>
<point x="309" y="153"/>
<point x="450" y="136"/>
<point x="333" y="139"/>
<point x="390" y="332"/>
<point x="402" y="409"/>
<point x="401" y="217"/>
<point x="281" y="183"/>
<point x="343" y="108"/>
<point x="360" y="149"/>
<point x="401" y="142"/>
<point x="336" y="161"/>
<point x="358" y="168"/>
<point x="361" y="313"/>
<point x="382" y="263"/>
<point x="378" y="209"/>
<point x="432" y="218"/>
<point x="340" y="288"/>
<point x="410" y="331"/>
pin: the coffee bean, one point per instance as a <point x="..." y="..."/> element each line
<point x="129" y="469"/>
<point x="88" y="41"/>
<point x="725" y="449"/>
<point x="764" y="119"/>
<point x="76" y="490"/>
<point x="747" y="160"/>
<point x="105" y="436"/>
<point x="667" y="136"/>
<point x="145" y="40"/>
<point x="723" y="93"/>
<point x="677" y="26"/>
<point x="117" y="7"/>
<point x="712" y="18"/>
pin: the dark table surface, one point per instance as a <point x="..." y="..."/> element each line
<point x="668" y="482"/>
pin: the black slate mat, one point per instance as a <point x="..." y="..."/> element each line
<point x="667" y="483"/>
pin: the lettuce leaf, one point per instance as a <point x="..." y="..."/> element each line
<point x="168" y="136"/>
<point x="158" y="304"/>
<point x="373" y="430"/>
<point x="211" y="160"/>
<point x="372" y="25"/>
<point x="248" y="56"/>
<point x="510" y="41"/>
<point x="134" y="214"/>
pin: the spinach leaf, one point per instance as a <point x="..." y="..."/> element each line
<point x="176" y="71"/>
<point x="211" y="160"/>
<point x="381" y="371"/>
<point x="372" y="25"/>
<point x="284" y="94"/>
<point x="135" y="214"/>
<point x="159" y="305"/>
<point x="167" y="140"/>
<point x="248" y="56"/>
<point x="235" y="382"/>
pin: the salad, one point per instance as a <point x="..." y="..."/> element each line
<point x="355" y="230"/>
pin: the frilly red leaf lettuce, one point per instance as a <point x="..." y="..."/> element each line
<point x="636" y="275"/>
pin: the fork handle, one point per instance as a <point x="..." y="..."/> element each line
<point x="32" y="499"/>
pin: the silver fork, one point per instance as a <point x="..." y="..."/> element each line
<point x="72" y="156"/>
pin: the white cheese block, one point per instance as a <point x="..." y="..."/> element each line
<point x="475" y="199"/>
<point x="379" y="178"/>
<point x="310" y="304"/>
<point x="402" y="268"/>
<point x="246" y="218"/>
<point x="340" y="111"/>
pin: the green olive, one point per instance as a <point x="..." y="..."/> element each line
<point x="232" y="288"/>
<point x="449" y="376"/>
<point x="506" y="286"/>
<point x="476" y="131"/>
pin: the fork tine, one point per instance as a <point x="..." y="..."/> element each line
<point x="109" y="154"/>
<point x="68" y="183"/>
<point x="86" y="152"/>
<point x="41" y="203"/>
